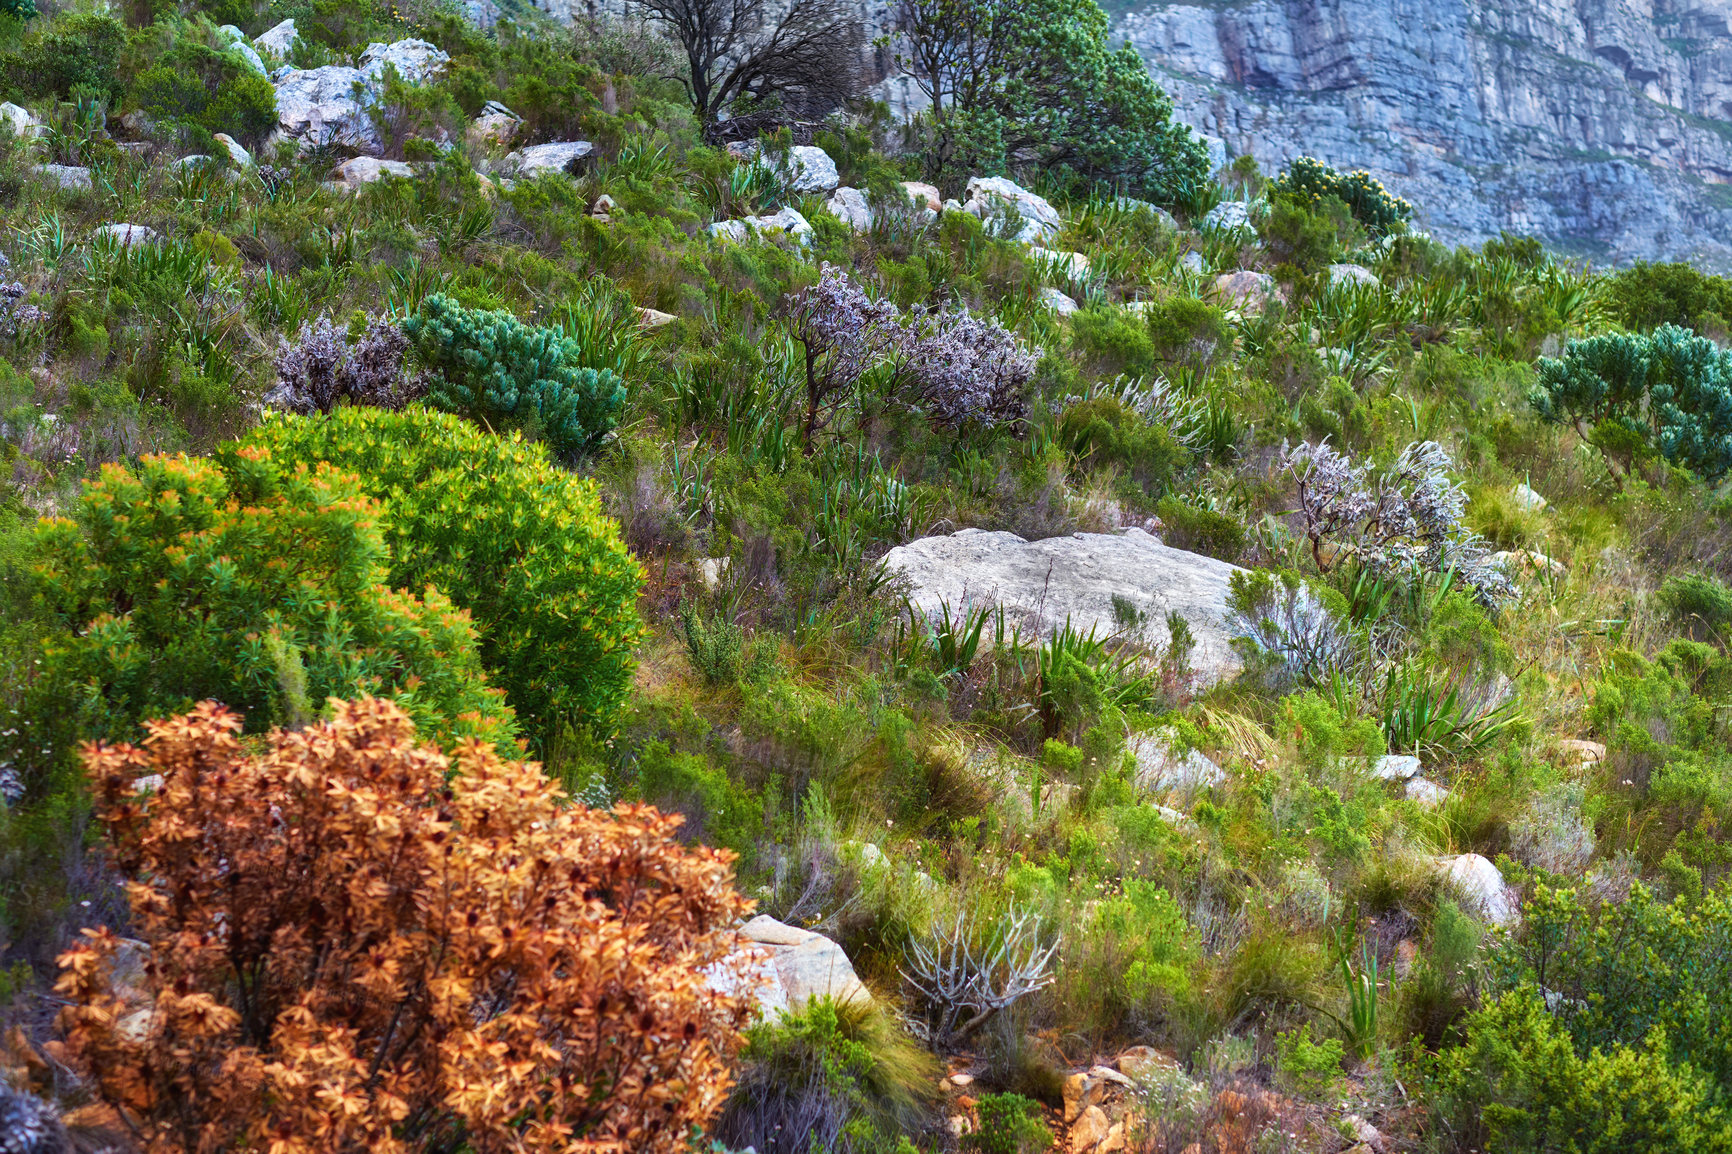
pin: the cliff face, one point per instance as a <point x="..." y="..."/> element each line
<point x="1603" y="126"/>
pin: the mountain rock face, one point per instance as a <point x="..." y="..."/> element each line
<point x="1602" y="126"/>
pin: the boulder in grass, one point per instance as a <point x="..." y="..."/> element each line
<point x="129" y="235"/>
<point x="279" y="41"/>
<point x="849" y="206"/>
<point x="416" y="61"/>
<point x="327" y="105"/>
<point x="795" y="966"/>
<point x="1481" y="887"/>
<point x="357" y="171"/>
<point x="1353" y="274"/>
<point x="563" y="156"/>
<point x="988" y="196"/>
<point x="1229" y="214"/>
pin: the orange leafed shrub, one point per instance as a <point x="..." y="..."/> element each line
<point x="350" y="952"/>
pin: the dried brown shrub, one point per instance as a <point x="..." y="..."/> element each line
<point x="350" y="952"/>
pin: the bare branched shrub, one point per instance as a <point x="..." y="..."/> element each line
<point x="966" y="370"/>
<point x="842" y="331"/>
<point x="354" y="948"/>
<point x="322" y="370"/>
<point x="965" y="976"/>
<point x="1407" y="517"/>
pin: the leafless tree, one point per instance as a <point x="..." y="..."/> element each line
<point x="801" y="56"/>
<point x="842" y="331"/>
<point x="966" y="978"/>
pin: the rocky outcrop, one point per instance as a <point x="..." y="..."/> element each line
<point x="1602" y="126"/>
<point x="1044" y="583"/>
<point x="557" y="156"/>
<point x="326" y="106"/>
<point x="849" y="206"/>
<point x="988" y="196"/>
<point x="360" y="170"/>
<point x="784" y="222"/>
<point x="800" y="965"/>
<point x="416" y="61"/>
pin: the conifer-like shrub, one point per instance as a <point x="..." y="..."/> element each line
<point x="245" y="582"/>
<point x="1669" y="393"/>
<point x="519" y="542"/>
<point x="1308" y="181"/>
<point x="354" y="948"/>
<point x="491" y="367"/>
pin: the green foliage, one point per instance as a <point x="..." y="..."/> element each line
<point x="1669" y="393"/>
<point x="1433" y="717"/>
<point x="493" y="368"/>
<point x="1009" y="1124"/>
<point x="1212" y="532"/>
<point x="80" y="51"/>
<point x="254" y="584"/>
<point x="1309" y="181"/>
<point x="1699" y="602"/>
<point x="1649" y="295"/>
<point x="191" y="83"/>
<point x="1105" y="432"/>
<point x="1518" y="1084"/>
<point x="1133" y="961"/>
<point x="1039" y="81"/>
<point x="1307" y="1067"/>
<point x="717" y="809"/>
<point x="520" y="543"/>
<point x="714" y="645"/>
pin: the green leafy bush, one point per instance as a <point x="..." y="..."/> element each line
<point x="1009" y="1124"/>
<point x="81" y="50"/>
<point x="1309" y="181"/>
<point x="1307" y="1067"/>
<point x="257" y="585"/>
<point x="1668" y="393"/>
<point x="1699" y="602"/>
<point x="520" y="543"/>
<point x="1518" y="1084"/>
<point x="1212" y="532"/>
<point x="1649" y="295"/>
<point x="491" y="367"/>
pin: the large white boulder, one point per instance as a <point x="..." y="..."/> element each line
<point x="1042" y="583"/>
<point x="539" y="159"/>
<point x="17" y="119"/>
<point x="416" y="61"/>
<point x="802" y="965"/>
<point x="279" y="41"/>
<point x="989" y="195"/>
<point x="360" y="170"/>
<point x="849" y="206"/>
<point x="1057" y="300"/>
<point x="327" y="106"/>
<point x="1481" y="887"/>
<point x="786" y="222"/>
<point x="813" y="169"/>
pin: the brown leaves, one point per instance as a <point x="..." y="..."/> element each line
<point x="351" y="953"/>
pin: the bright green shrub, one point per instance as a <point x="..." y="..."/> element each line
<point x="1649" y="295"/>
<point x="248" y="582"/>
<point x="1306" y="232"/>
<point x="1105" y="432"/>
<point x="1518" y="1085"/>
<point x="520" y="543"/>
<point x="1212" y="532"/>
<point x="491" y="367"/>
<point x="1306" y="1067"/>
<point x="1309" y="181"/>
<point x="718" y="810"/>
<point x="1009" y="1124"/>
<point x="1132" y="962"/>
<point x="1698" y="602"/>
<point x="1670" y="393"/>
<point x="82" y="50"/>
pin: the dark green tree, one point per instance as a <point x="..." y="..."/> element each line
<point x="1033" y="82"/>
<point x="1668" y="393"/>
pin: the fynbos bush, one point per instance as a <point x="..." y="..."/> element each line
<point x="322" y="369"/>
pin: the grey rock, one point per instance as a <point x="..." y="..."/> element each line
<point x="785" y="222"/>
<point x="1396" y="767"/>
<point x="1042" y="583"/>
<point x="557" y="156"/>
<point x="1601" y="127"/>
<point x="279" y="41"/>
<point x="849" y="206"/>
<point x="18" y="120"/>
<point x="240" y="47"/>
<point x="1162" y="765"/>
<point x="327" y="106"/>
<point x="1352" y="274"/>
<point x="129" y="235"/>
<point x="1057" y="301"/>
<point x="416" y="61"/>
<point x="805" y="965"/>
<point x="1229" y="214"/>
<point x="1527" y="500"/>
<point x="66" y="175"/>
<point x="1193" y="261"/>
<point x="1481" y="886"/>
<point x="1246" y="290"/>
<point x="28" y="1125"/>
<point x="360" y="170"/>
<point x="497" y="124"/>
<point x="1132" y="204"/>
<point x="1069" y="265"/>
<point x="989" y="195"/>
<point x="808" y="167"/>
<point x="1427" y="793"/>
<point x="238" y="154"/>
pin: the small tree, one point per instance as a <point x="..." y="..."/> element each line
<point x="1308" y="181"/>
<point x="803" y="57"/>
<point x="354" y="948"/>
<point x="1669" y="393"/>
<point x="842" y="331"/>
<point x="1034" y="81"/>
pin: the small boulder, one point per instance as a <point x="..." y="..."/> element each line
<point x="241" y="157"/>
<point x="785" y="222"/>
<point x="65" y="175"/>
<point x="923" y="198"/>
<point x="1352" y="274"/>
<point x="18" y="120"/>
<point x="849" y="206"/>
<point x="360" y="170"/>
<point x="279" y="41"/>
<point x="1163" y="765"/>
<point x="655" y="319"/>
<point x="1229" y="214"/>
<point x="1132" y="204"/>
<point x="814" y="171"/>
<point x="806" y="964"/>
<point x="416" y="61"/>
<point x="1585" y="752"/>
<point x="1525" y="562"/>
<point x="989" y="195"/>
<point x="538" y="159"/>
<point x="1527" y="500"/>
<point x="1481" y="885"/>
<point x="603" y="208"/>
<point x="129" y="235"/>
<point x="240" y="47"/>
<point x="496" y="125"/>
<point x="1247" y="291"/>
<point x="1070" y="265"/>
<point x="1140" y="1062"/>
<point x="1057" y="301"/>
<point x="1192" y="262"/>
<point x="1396" y="767"/>
<point x="321" y="106"/>
<point x="1089" y="1130"/>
